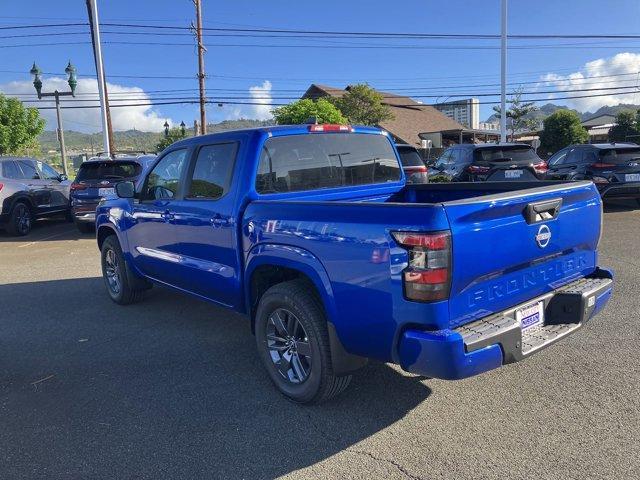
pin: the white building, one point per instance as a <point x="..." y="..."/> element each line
<point x="465" y="111"/>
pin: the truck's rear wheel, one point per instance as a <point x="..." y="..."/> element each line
<point x="117" y="279"/>
<point x="293" y="342"/>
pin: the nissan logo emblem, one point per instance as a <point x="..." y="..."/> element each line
<point x="543" y="237"/>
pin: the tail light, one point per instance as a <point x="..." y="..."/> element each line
<point x="428" y="275"/>
<point x="602" y="165"/>
<point x="330" y="128"/>
<point x="1" y="186"/>
<point x="478" y="169"/>
<point x="540" y="167"/>
<point x="77" y="186"/>
<point x="416" y="169"/>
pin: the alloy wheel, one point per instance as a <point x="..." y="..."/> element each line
<point x="112" y="271"/>
<point x="289" y="346"/>
<point x="23" y="219"/>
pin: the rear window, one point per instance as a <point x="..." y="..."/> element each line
<point x="108" y="169"/>
<point x="497" y="154"/>
<point x="308" y="162"/>
<point x="410" y="158"/>
<point x="620" y="155"/>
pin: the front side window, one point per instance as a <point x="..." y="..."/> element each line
<point x="314" y="161"/>
<point x="28" y="169"/>
<point x="48" y="173"/>
<point x="559" y="157"/>
<point x="164" y="180"/>
<point x="212" y="170"/>
<point x="443" y="160"/>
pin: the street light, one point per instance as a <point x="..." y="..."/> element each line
<point x="166" y="128"/>
<point x="182" y="128"/>
<point x="73" y="83"/>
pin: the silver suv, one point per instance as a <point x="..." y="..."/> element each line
<point x="30" y="189"/>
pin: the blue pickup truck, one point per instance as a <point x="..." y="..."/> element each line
<point x="312" y="233"/>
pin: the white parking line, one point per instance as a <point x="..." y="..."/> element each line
<point x="45" y="238"/>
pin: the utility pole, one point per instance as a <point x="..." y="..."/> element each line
<point x="503" y="75"/>
<point x="105" y="113"/>
<point x="201" y="75"/>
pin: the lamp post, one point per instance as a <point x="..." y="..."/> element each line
<point x="166" y="128"/>
<point x="73" y="83"/>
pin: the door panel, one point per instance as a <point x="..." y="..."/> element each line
<point x="205" y="226"/>
<point x="37" y="188"/>
<point x="59" y="193"/>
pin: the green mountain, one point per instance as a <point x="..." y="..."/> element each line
<point x="78" y="142"/>
<point x="547" y="109"/>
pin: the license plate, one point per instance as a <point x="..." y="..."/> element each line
<point x="106" y="192"/>
<point x="513" y="173"/>
<point x="632" y="177"/>
<point x="531" y="315"/>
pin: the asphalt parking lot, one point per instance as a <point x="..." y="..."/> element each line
<point x="173" y="388"/>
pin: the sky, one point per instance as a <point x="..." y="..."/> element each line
<point x="248" y="75"/>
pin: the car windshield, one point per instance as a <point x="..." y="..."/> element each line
<point x="619" y="156"/>
<point x="499" y="153"/>
<point x="410" y="157"/>
<point x="109" y="169"/>
<point x="307" y="162"/>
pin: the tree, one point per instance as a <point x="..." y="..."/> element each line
<point x="362" y="105"/>
<point x="562" y="128"/>
<point x="519" y="113"/>
<point x="627" y="127"/>
<point x="302" y="110"/>
<point x="174" y="135"/>
<point x="19" y="127"/>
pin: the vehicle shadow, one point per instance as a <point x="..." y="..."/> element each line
<point x="620" y="206"/>
<point x="47" y="229"/>
<point x="168" y="388"/>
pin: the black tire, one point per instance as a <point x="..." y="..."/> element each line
<point x="116" y="275"/>
<point x="85" y="227"/>
<point x="298" y="299"/>
<point x="20" y="220"/>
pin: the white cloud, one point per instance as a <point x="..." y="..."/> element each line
<point x="261" y="97"/>
<point x="88" y="119"/>
<point x="620" y="70"/>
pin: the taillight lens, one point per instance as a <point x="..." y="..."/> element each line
<point x="478" y="169"/>
<point x="541" y="167"/>
<point x="427" y="278"/>
<point x="1" y="186"/>
<point x="77" y="186"/>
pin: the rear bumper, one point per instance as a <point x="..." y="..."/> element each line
<point x="619" y="190"/>
<point x="88" y="217"/>
<point x="496" y="340"/>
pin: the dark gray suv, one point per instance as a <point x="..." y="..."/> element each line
<point x="29" y="189"/>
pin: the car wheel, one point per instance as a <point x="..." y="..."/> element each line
<point x="293" y="343"/>
<point x="116" y="275"/>
<point x="20" y="220"/>
<point x="85" y="227"/>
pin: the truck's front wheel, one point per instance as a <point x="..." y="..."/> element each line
<point x="293" y="342"/>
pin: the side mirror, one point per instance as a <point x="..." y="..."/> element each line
<point x="63" y="177"/>
<point x="126" y="189"/>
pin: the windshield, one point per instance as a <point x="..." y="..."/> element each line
<point x="108" y="169"/>
<point x="410" y="158"/>
<point x="307" y="162"/>
<point x="499" y="153"/>
<point x="620" y="155"/>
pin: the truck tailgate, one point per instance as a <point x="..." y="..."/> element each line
<point x="510" y="247"/>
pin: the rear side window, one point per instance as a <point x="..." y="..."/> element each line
<point x="212" y="170"/>
<point x="163" y="181"/>
<point x="410" y="158"/>
<point x="497" y="154"/>
<point x="109" y="169"/>
<point x="620" y="156"/>
<point x="307" y="162"/>
<point x="28" y="170"/>
<point x="11" y="170"/>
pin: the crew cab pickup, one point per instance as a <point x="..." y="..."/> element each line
<point x="312" y="233"/>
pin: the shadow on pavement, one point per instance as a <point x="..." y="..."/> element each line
<point x="169" y="388"/>
<point x="47" y="229"/>
<point x="620" y="205"/>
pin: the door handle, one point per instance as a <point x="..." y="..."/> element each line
<point x="542" y="211"/>
<point x="219" y="221"/>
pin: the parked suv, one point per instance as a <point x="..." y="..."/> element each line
<point x="488" y="162"/>
<point x="96" y="180"/>
<point x="29" y="189"/>
<point x="414" y="168"/>
<point x="613" y="167"/>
